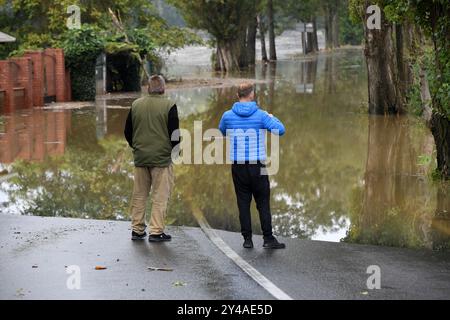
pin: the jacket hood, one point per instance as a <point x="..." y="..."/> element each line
<point x="245" y="109"/>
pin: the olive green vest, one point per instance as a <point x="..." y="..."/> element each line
<point x="151" y="141"/>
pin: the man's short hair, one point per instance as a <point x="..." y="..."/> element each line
<point x="245" y="89"/>
<point x="156" y="85"/>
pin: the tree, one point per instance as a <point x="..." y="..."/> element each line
<point x="262" y="34"/>
<point x="331" y="13"/>
<point x="271" y="23"/>
<point x="227" y="22"/>
<point x="305" y="11"/>
<point x="434" y="18"/>
<point x="389" y="77"/>
<point x="43" y="23"/>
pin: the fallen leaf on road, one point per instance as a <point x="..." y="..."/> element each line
<point x="365" y="293"/>
<point x="179" y="284"/>
<point x="19" y="292"/>
<point x="160" y="269"/>
<point x="100" y="268"/>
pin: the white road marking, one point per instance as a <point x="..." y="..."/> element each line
<point x="268" y="285"/>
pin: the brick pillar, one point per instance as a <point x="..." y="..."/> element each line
<point x="37" y="59"/>
<point x="25" y="79"/>
<point x="60" y="75"/>
<point x="6" y="84"/>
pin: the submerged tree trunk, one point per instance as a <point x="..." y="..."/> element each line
<point x="309" y="43"/>
<point x="335" y="29"/>
<point x="251" y="41"/>
<point x="440" y="122"/>
<point x="304" y="47"/>
<point x="262" y="34"/>
<point x="380" y="52"/>
<point x="332" y="24"/>
<point x="228" y="54"/>
<point x="315" y="38"/>
<point x="440" y="127"/>
<point x="328" y="30"/>
<point x="272" y="45"/>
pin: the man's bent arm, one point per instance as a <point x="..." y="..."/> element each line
<point x="222" y="126"/>
<point x="272" y="123"/>
<point x="174" y="126"/>
<point x="129" y="130"/>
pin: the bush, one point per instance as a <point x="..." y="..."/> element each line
<point x="81" y="48"/>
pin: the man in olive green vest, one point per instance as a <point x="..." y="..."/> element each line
<point x="150" y="127"/>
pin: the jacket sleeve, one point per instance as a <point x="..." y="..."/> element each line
<point x="174" y="126"/>
<point x="222" y="126"/>
<point x="129" y="130"/>
<point x="273" y="124"/>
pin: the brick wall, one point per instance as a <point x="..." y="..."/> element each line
<point x="25" y="82"/>
<point x="37" y="58"/>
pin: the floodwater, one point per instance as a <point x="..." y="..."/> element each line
<point x="344" y="175"/>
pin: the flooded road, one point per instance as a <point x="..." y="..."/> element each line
<point x="344" y="175"/>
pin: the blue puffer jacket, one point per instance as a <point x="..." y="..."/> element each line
<point x="246" y="126"/>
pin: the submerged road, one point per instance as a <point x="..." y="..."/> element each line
<point x="36" y="252"/>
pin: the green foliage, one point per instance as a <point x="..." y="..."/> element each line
<point x="222" y="19"/>
<point x="431" y="17"/>
<point x="43" y="24"/>
<point x="351" y="32"/>
<point x="82" y="47"/>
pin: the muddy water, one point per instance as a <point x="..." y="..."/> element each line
<point x="344" y="176"/>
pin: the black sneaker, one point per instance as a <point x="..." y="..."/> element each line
<point x="273" y="244"/>
<point x="248" y="243"/>
<point x="136" y="236"/>
<point x="160" y="238"/>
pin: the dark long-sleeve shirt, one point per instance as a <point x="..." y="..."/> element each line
<point x="172" y="126"/>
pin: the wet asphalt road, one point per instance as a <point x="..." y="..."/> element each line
<point x="35" y="252"/>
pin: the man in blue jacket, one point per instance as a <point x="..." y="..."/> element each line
<point x="246" y="126"/>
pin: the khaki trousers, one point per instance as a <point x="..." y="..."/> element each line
<point x="160" y="181"/>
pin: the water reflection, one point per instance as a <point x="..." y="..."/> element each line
<point x="343" y="176"/>
<point x="33" y="135"/>
<point x="397" y="204"/>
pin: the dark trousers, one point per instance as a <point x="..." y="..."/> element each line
<point x="248" y="183"/>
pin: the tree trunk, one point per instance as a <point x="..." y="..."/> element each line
<point x="243" y="57"/>
<point x="384" y="93"/>
<point x="335" y="28"/>
<point x="251" y="41"/>
<point x="304" y="48"/>
<point x="315" y="38"/>
<point x="262" y="33"/>
<point x="332" y="25"/>
<point x="440" y="123"/>
<point x="425" y="96"/>
<point x="328" y="29"/>
<point x="228" y="53"/>
<point x="272" y="46"/>
<point x="440" y="127"/>
<point x="405" y="44"/>
<point x="309" y="43"/>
